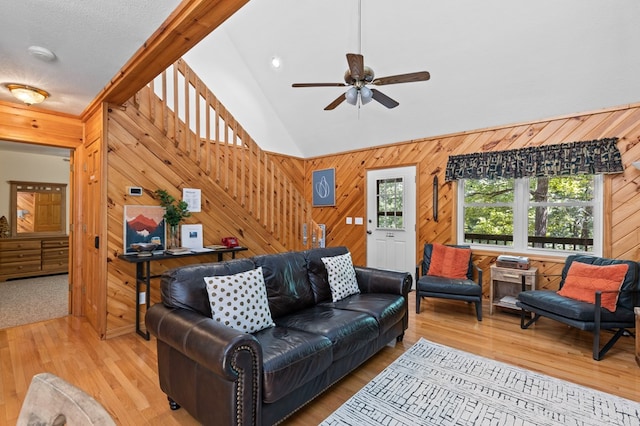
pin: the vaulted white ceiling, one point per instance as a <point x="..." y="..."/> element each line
<point x="492" y="62"/>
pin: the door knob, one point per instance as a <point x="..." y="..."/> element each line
<point x="369" y="232"/>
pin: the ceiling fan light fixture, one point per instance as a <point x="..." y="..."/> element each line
<point x="366" y="95"/>
<point x="351" y="95"/>
<point x="27" y="94"/>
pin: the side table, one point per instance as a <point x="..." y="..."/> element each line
<point x="143" y="273"/>
<point x="506" y="284"/>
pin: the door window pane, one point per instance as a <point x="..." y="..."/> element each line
<point x="390" y="203"/>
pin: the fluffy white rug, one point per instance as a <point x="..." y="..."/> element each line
<point x="432" y="384"/>
<point x="31" y="300"/>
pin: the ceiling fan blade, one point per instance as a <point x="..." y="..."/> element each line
<point x="384" y="99"/>
<point x="402" y="78"/>
<point x="318" y="85"/>
<point x="356" y="65"/>
<point x="336" y="102"/>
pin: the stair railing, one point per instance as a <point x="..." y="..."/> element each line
<point x="188" y="113"/>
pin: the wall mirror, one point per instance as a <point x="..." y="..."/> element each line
<point x="38" y="208"/>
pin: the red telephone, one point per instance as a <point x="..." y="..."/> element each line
<point x="230" y="242"/>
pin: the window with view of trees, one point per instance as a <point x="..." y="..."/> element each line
<point x="390" y="203"/>
<point x="558" y="214"/>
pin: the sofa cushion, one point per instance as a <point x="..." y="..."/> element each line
<point x="551" y="301"/>
<point x="347" y="330"/>
<point x="442" y="285"/>
<point x="583" y="280"/>
<point x="318" y="276"/>
<point x="286" y="278"/>
<point x="240" y="300"/>
<point x="387" y="309"/>
<point x="184" y="287"/>
<point x="341" y="275"/>
<point x="291" y="358"/>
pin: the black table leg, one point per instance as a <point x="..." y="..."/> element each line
<point x="142" y="278"/>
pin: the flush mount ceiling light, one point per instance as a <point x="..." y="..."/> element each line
<point x="27" y="94"/>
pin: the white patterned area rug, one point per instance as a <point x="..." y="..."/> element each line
<point x="432" y="384"/>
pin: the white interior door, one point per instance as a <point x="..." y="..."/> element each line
<point x="391" y="219"/>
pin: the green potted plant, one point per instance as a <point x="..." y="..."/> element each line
<point x="175" y="212"/>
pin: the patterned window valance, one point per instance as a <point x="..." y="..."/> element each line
<point x="574" y="158"/>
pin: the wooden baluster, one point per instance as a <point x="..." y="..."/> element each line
<point x="198" y="138"/>
<point x="165" y="115"/>
<point x="235" y="151"/>
<point x="259" y="183"/>
<point x="243" y="165"/>
<point x="207" y="147"/>
<point x="176" y="109"/>
<point x="187" y="111"/>
<point x="251" y="167"/>
<point x="152" y="101"/>
<point x="217" y="145"/>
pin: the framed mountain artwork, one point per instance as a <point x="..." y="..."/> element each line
<point x="144" y="224"/>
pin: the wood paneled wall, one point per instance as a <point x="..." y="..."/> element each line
<point x="140" y="154"/>
<point x="430" y="155"/>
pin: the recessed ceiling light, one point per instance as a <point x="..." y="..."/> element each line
<point x="276" y="62"/>
<point x="42" y="53"/>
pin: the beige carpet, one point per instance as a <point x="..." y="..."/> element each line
<point x="31" y="300"/>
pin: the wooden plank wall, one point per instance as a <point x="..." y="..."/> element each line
<point x="140" y="154"/>
<point x="622" y="222"/>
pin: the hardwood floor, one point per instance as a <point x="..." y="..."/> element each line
<point x="121" y="372"/>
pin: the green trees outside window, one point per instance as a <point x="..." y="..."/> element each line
<point x="558" y="213"/>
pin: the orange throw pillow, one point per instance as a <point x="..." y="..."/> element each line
<point x="583" y="280"/>
<point x="449" y="262"/>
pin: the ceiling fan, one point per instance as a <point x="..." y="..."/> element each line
<point x="358" y="77"/>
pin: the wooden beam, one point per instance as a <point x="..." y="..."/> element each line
<point x="20" y="123"/>
<point x="192" y="21"/>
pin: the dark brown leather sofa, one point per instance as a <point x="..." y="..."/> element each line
<point x="225" y="377"/>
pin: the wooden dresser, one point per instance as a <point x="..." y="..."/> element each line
<point x="23" y="257"/>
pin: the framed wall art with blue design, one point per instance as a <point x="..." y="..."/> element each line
<point x="324" y="187"/>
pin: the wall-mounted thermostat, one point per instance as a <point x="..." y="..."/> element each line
<point x="134" y="191"/>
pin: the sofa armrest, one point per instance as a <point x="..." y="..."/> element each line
<point x="372" y="280"/>
<point x="203" y="340"/>
<point x="195" y="352"/>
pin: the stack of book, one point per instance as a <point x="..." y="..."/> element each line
<point x="178" y="250"/>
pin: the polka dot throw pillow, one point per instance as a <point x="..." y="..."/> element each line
<point x="342" y="276"/>
<point x="240" y="301"/>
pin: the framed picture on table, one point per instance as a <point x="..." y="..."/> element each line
<point x="144" y="224"/>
